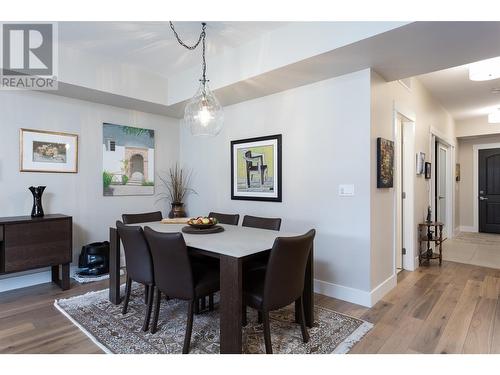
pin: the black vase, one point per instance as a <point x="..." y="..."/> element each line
<point x="37" y="210"/>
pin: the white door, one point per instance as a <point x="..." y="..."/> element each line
<point x="399" y="194"/>
<point x="442" y="162"/>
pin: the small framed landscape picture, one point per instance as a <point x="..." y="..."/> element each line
<point x="47" y="151"/>
<point x="256" y="169"/>
<point x="385" y="163"/>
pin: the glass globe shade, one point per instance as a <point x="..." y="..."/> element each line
<point x="203" y="113"/>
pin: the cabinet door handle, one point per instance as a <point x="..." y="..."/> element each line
<point x="483" y="198"/>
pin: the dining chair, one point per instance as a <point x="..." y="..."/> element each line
<point x="225" y="218"/>
<point x="259" y="260"/>
<point x="281" y="283"/>
<point x="261" y="222"/>
<point x="139" y="265"/>
<point x="177" y="277"/>
<point x="144" y="217"/>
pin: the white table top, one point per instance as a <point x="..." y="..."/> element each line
<point x="234" y="241"/>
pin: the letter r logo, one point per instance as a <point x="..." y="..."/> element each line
<point x="27" y="49"/>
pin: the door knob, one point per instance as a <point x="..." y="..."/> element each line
<point x="483" y="198"/>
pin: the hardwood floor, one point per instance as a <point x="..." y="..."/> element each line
<point x="450" y="309"/>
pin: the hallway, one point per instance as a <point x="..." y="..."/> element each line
<point x="479" y="249"/>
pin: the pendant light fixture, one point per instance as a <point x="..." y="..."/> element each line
<point x="203" y="113"/>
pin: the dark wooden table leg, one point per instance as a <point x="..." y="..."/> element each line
<point x="63" y="281"/>
<point x="114" y="266"/>
<point x="308" y="294"/>
<point x="230" y="305"/>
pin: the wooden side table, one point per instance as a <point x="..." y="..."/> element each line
<point x="430" y="234"/>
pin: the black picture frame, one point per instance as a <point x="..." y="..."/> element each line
<point x="385" y="163"/>
<point x="428" y="170"/>
<point x="258" y="196"/>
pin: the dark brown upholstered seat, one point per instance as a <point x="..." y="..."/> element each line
<point x="225" y="218"/>
<point x="281" y="283"/>
<point x="261" y="222"/>
<point x="260" y="260"/>
<point x="146" y="217"/>
<point x="139" y="265"/>
<point x="176" y="277"/>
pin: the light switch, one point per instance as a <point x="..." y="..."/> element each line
<point x="346" y="190"/>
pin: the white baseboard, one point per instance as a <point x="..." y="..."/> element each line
<point x="23" y="281"/>
<point x="465" y="228"/>
<point x="357" y="296"/>
<point x="383" y="288"/>
<point x="345" y="293"/>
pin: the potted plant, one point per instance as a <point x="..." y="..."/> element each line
<point x="177" y="188"/>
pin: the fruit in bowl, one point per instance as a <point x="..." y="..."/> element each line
<point x="202" y="222"/>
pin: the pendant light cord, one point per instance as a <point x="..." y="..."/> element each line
<point x="201" y="40"/>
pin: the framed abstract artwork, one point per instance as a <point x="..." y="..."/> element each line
<point x="385" y="163"/>
<point x="256" y="169"/>
<point x="128" y="160"/>
<point x="48" y="151"/>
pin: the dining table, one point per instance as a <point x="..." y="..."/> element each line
<point x="232" y="247"/>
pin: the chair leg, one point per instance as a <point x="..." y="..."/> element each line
<point x="267" y="332"/>
<point x="203" y="303"/>
<point x="128" y="287"/>
<point x="259" y="317"/>
<point x="244" y="320"/>
<point x="154" y="324"/>
<point x="211" y="302"/>
<point x="149" y="307"/>
<point x="197" y="307"/>
<point x="189" y="326"/>
<point x="146" y="291"/>
<point x="302" y="321"/>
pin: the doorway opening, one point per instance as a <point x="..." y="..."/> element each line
<point x="404" y="130"/>
<point x="442" y="184"/>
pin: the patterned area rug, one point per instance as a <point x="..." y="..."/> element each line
<point x="104" y="323"/>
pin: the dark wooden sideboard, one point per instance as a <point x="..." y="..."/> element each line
<point x="27" y="243"/>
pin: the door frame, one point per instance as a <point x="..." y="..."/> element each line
<point x="436" y="136"/>
<point x="410" y="261"/>
<point x="475" y="180"/>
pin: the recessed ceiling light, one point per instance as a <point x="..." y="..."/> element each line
<point x="494" y="117"/>
<point x="485" y="70"/>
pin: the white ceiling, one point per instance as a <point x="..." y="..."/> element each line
<point x="152" y="46"/>
<point x="462" y="98"/>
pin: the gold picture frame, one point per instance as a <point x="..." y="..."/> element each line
<point x="47" y="151"/>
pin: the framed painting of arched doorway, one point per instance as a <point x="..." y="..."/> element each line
<point x="128" y="160"/>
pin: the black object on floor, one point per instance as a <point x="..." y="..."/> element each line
<point x="95" y="259"/>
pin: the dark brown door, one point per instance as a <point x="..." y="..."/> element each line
<point x="489" y="190"/>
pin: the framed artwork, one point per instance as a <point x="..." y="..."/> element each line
<point x="47" y="151"/>
<point x="385" y="163"/>
<point x="256" y="169"/>
<point x="420" y="163"/>
<point x="457" y="172"/>
<point x="428" y="170"/>
<point x="128" y="160"/>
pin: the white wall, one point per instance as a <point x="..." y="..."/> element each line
<point x="79" y="195"/>
<point x="476" y="126"/>
<point x="429" y="115"/>
<point x="325" y="128"/>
